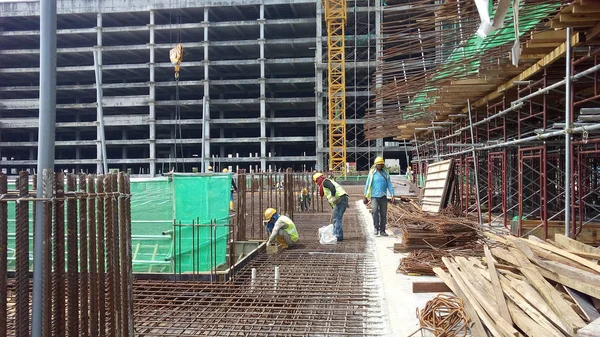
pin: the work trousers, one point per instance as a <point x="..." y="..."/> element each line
<point x="379" y="209"/>
<point x="338" y="214"/>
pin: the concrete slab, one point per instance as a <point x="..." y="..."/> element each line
<point x="399" y="302"/>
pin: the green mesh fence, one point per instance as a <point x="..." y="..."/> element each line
<point x="156" y="205"/>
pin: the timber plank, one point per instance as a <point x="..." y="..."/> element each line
<point x="430" y="287"/>
<point x="584" y="303"/>
<point x="500" y="300"/>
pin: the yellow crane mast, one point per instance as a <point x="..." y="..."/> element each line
<point x="335" y="18"/>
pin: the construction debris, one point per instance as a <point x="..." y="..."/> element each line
<point x="527" y="287"/>
<point x="422" y="262"/>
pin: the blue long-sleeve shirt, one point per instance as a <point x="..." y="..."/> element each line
<point x="380" y="184"/>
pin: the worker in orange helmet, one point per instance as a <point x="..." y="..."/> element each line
<point x="337" y="198"/>
<point x="280" y="228"/>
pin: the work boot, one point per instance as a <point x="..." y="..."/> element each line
<point x="376" y="232"/>
<point x="383" y="233"/>
<point x="282" y="242"/>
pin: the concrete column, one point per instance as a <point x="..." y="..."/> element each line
<point x="124" y="148"/>
<point x="262" y="98"/>
<point x="206" y="83"/>
<point x="151" y="106"/>
<point x="99" y="165"/>
<point x="319" y="89"/>
<point x="379" y="78"/>
<point x="33" y="150"/>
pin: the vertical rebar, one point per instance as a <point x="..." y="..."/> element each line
<point x="22" y="257"/>
<point x="3" y="256"/>
<point x="91" y="206"/>
<point x="117" y="254"/>
<point x="123" y="247"/>
<point x="130" y="318"/>
<point x="475" y="164"/>
<point x="110" y="256"/>
<point x="48" y="192"/>
<point x="72" y="265"/>
<point x="101" y="257"/>
<point x="58" y="279"/>
<point x="568" y="106"/>
<point x="83" y="257"/>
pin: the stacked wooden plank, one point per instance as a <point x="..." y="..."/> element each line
<point x="528" y="287"/>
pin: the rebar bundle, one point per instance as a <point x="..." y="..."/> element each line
<point x="445" y="315"/>
<point x="434" y="58"/>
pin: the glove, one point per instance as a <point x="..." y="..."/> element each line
<point x="336" y="200"/>
<point x="393" y="201"/>
<point x="365" y="200"/>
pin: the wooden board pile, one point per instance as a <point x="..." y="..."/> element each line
<point x="529" y="287"/>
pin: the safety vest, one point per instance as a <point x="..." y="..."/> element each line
<point x="290" y="228"/>
<point x="370" y="178"/>
<point x="339" y="191"/>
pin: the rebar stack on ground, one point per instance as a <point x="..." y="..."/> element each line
<point x="445" y="316"/>
<point x="429" y="47"/>
<point x="80" y="297"/>
<point x="422" y="261"/>
<point x="422" y="230"/>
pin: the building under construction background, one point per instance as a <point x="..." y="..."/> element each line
<point x="259" y="66"/>
<point x="494" y="231"/>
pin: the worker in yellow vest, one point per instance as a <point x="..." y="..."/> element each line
<point x="233" y="190"/>
<point x="280" y="228"/>
<point x="337" y="198"/>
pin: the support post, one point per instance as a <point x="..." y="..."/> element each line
<point x="475" y="164"/>
<point x="568" y="105"/>
<point x="46" y="139"/>
<point x="437" y="154"/>
<point x="99" y="112"/>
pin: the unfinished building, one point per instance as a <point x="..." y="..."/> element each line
<point x="260" y="67"/>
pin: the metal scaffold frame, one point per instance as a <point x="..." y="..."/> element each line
<point x="522" y="161"/>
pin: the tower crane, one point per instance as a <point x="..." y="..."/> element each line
<point x="335" y="19"/>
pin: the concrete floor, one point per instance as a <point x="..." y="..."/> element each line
<point x="399" y="302"/>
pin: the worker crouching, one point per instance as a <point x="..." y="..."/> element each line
<point x="280" y="228"/>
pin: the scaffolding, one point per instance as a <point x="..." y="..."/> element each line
<point x="531" y="144"/>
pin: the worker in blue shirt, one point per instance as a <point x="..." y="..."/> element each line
<point x="376" y="188"/>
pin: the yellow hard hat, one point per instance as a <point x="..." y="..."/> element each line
<point x="316" y="176"/>
<point x="379" y="160"/>
<point x="225" y="170"/>
<point x="269" y="213"/>
<point x="210" y="168"/>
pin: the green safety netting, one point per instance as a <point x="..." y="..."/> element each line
<point x="158" y="203"/>
<point x="474" y="49"/>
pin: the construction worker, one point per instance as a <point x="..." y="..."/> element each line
<point x="280" y="228"/>
<point x="337" y="198"/>
<point x="304" y="199"/>
<point x="377" y="185"/>
<point x="233" y="189"/>
<point x="409" y="174"/>
<point x="209" y="169"/>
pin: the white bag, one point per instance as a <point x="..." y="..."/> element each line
<point x="326" y="236"/>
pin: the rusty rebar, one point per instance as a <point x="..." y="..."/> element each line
<point x="3" y="256"/>
<point x="91" y="208"/>
<point x="101" y="258"/>
<point x="22" y="261"/>
<point x="58" y="258"/>
<point x="117" y="256"/>
<point x="111" y="324"/>
<point x="83" y="259"/>
<point x="124" y="238"/>
<point x="130" y="314"/>
<point x="48" y="186"/>
<point x="72" y="263"/>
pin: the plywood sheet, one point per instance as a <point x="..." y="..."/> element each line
<point x="436" y="185"/>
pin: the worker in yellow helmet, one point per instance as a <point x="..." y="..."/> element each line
<point x="304" y="199"/>
<point x="234" y="189"/>
<point x="337" y="198"/>
<point x="280" y="228"/>
<point x="376" y="188"/>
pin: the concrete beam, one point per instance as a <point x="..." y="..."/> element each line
<point x="116" y="101"/>
<point x="110" y="6"/>
<point x="363" y="149"/>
